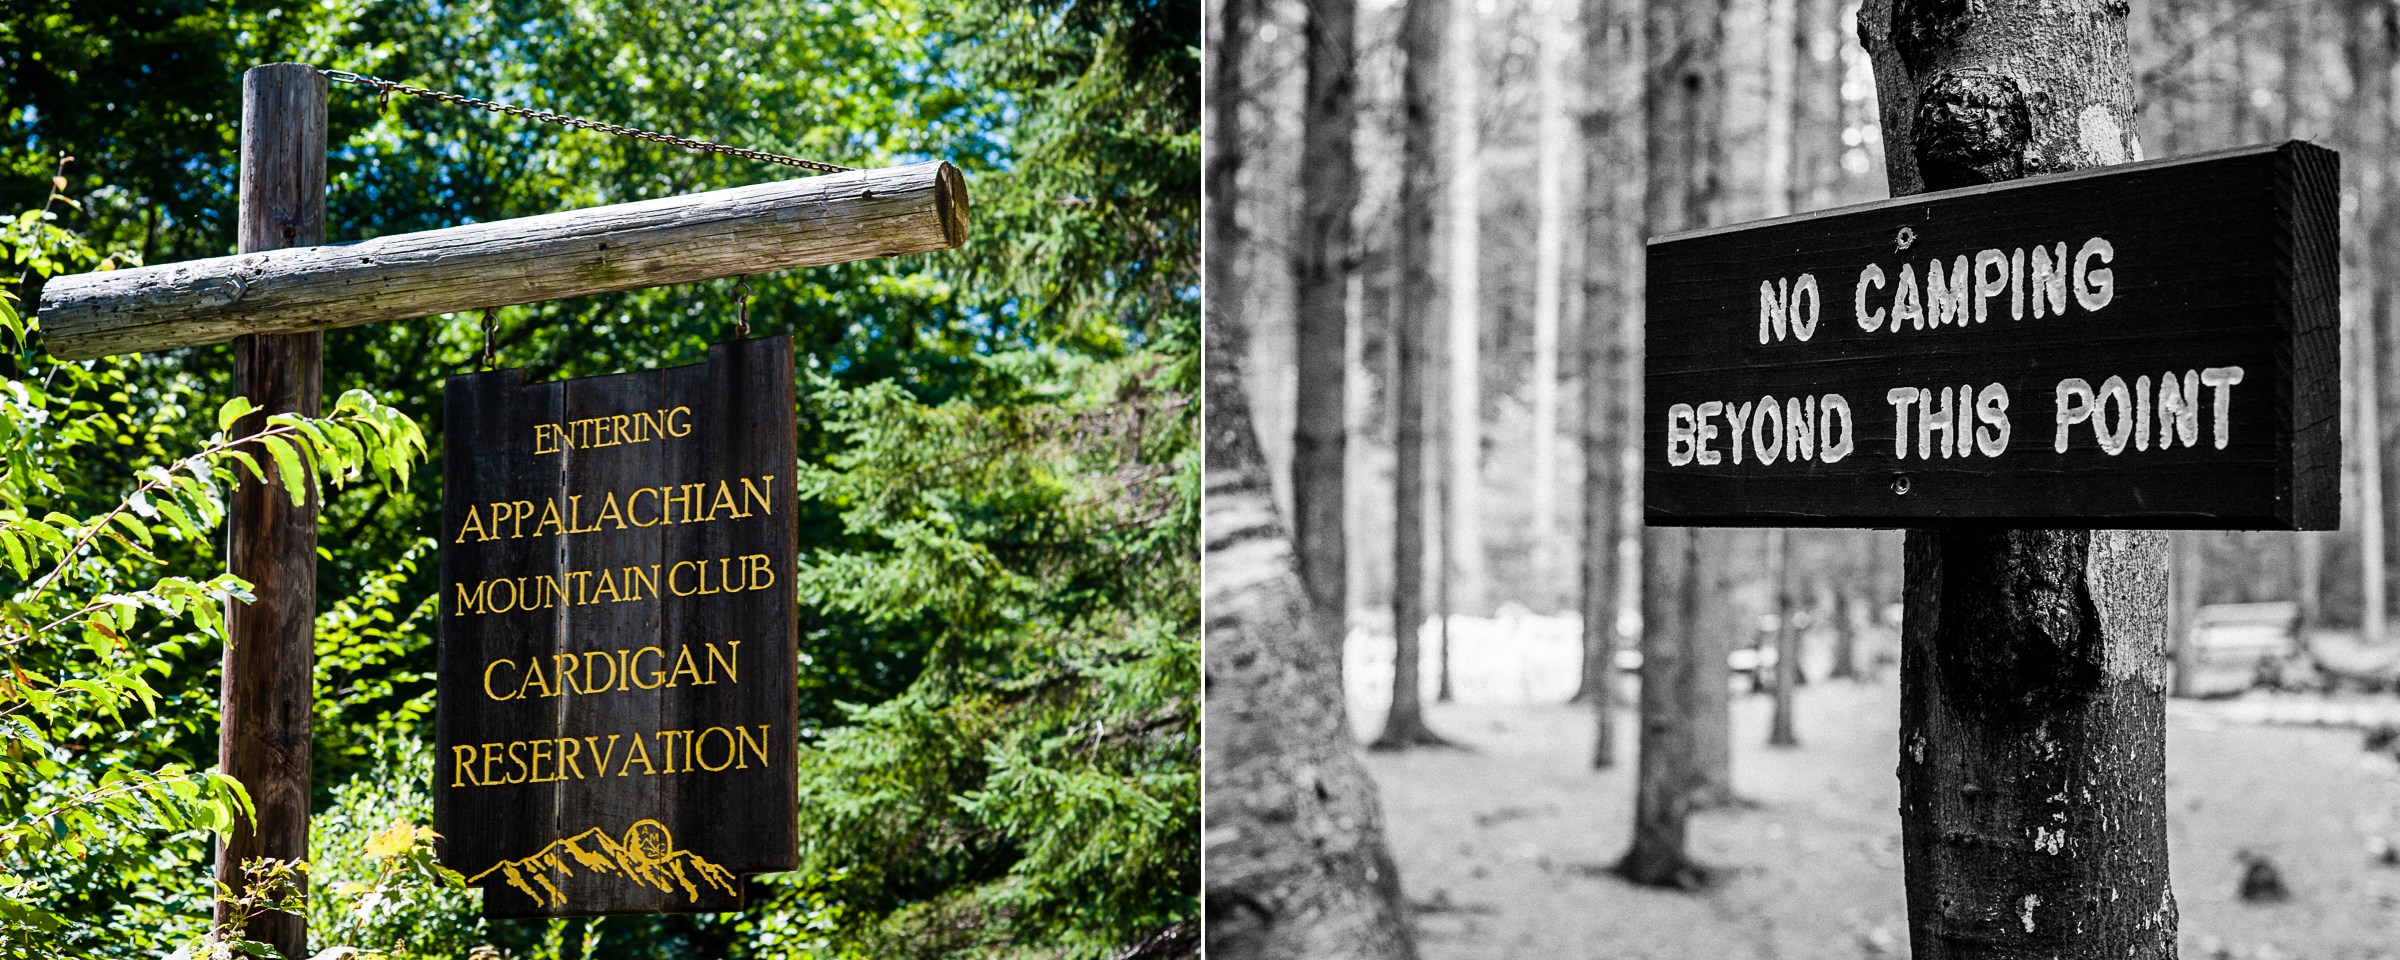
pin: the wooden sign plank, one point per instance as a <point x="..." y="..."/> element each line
<point x="616" y="718"/>
<point x="812" y="221"/>
<point x="2154" y="345"/>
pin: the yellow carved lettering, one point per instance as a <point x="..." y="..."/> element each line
<point x="642" y="752"/>
<point x="460" y="772"/>
<point x="733" y="652"/>
<point x="765" y="499"/>
<point x="533" y="678"/>
<point x="671" y="430"/>
<point x="472" y="602"/>
<point x="473" y="525"/>
<point x="725" y="502"/>
<point x="487" y="679"/>
<point x="749" y="745"/>
<point x="522" y="769"/>
<point x="631" y="497"/>
<point x="700" y="749"/>
<point x="568" y="749"/>
<point x="601" y="687"/>
<point x="655" y="675"/>
<point x="549" y="518"/>
<point x="684" y="665"/>
<point x="608" y="511"/>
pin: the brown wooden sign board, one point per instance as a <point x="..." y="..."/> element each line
<point x="2153" y="345"/>
<point x="615" y="722"/>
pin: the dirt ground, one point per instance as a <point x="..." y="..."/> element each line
<point x="1503" y="847"/>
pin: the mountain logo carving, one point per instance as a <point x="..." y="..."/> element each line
<point x="646" y="855"/>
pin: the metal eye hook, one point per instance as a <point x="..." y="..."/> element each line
<point x="489" y="315"/>
<point x="741" y="309"/>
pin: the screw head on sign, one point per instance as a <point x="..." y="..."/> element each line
<point x="1906" y="238"/>
<point x="1900" y="485"/>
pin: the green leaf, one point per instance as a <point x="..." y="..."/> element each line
<point x="288" y="470"/>
<point x="233" y="410"/>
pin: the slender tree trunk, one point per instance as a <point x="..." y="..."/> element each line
<point x="1421" y="36"/>
<point x="2380" y="349"/>
<point x="1845" y="632"/>
<point x="1682" y="99"/>
<point x="2308" y="564"/>
<point x="1611" y="130"/>
<point x="1817" y="105"/>
<point x="1320" y="288"/>
<point x="1462" y="512"/>
<point x="2031" y="658"/>
<point x="1710" y="691"/>
<point x="1787" y="645"/>
<point x="1297" y="863"/>
<point x="2371" y="64"/>
<point x="2183" y="610"/>
<point x="1549" y="263"/>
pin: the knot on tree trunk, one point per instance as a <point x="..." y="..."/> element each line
<point x="1921" y="29"/>
<point x="2018" y="636"/>
<point x="1972" y="127"/>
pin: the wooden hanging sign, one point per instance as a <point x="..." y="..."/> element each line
<point x="2153" y="345"/>
<point x="615" y="723"/>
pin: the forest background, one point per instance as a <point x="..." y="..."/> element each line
<point x="1426" y="222"/>
<point x="999" y="676"/>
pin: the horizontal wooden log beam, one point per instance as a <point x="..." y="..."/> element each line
<point x="813" y="221"/>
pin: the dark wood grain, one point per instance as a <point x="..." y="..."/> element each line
<point x="725" y="823"/>
<point x="268" y="696"/>
<point x="2226" y="259"/>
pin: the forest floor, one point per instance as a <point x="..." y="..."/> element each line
<point x="1503" y="847"/>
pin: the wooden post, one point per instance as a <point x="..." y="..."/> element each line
<point x="270" y="643"/>
<point x="2033" y="687"/>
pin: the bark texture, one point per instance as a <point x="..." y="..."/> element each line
<point x="269" y="694"/>
<point x="1422" y="26"/>
<point x="2033" y="682"/>
<point x="1320" y="273"/>
<point x="1297" y="866"/>
<point x="1683" y="99"/>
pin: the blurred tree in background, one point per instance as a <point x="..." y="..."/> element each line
<point x="999" y="542"/>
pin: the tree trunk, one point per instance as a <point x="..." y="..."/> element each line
<point x="2183" y="609"/>
<point x="2030" y="658"/>
<point x="1421" y="35"/>
<point x="1549" y="263"/>
<point x="1787" y="645"/>
<point x="1682" y="98"/>
<point x="1817" y="106"/>
<point x="1845" y="631"/>
<point x="1461" y="513"/>
<point x="1297" y="864"/>
<point x="1320" y="288"/>
<point x="2365" y="303"/>
<point x="1612" y="284"/>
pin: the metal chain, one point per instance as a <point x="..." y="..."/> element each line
<point x="489" y="314"/>
<point x="386" y="88"/>
<point x="741" y="310"/>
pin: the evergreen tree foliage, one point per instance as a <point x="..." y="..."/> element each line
<point x="999" y="685"/>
